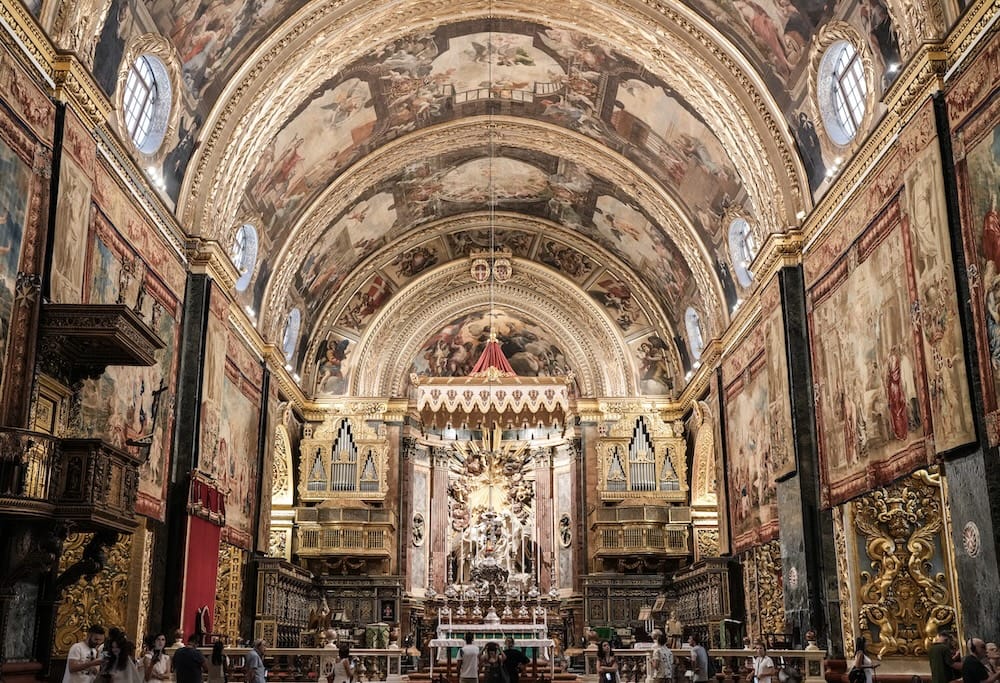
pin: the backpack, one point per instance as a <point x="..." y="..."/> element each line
<point x="857" y="676"/>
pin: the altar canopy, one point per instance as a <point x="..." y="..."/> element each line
<point x="492" y="394"/>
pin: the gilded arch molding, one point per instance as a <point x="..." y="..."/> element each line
<point x="593" y="346"/>
<point x="326" y="37"/>
<point x="508" y="131"/>
<point x="327" y="319"/>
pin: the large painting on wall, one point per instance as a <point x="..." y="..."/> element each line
<point x="753" y="507"/>
<point x="866" y="356"/>
<point x="979" y="180"/>
<point x="235" y="463"/>
<point x="14" y="198"/>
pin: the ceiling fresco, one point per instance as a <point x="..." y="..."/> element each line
<point x="343" y="215"/>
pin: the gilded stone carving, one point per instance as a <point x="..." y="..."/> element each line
<point x="904" y="590"/>
<point x="844" y="583"/>
<point x="281" y="469"/>
<point x="229" y="591"/>
<point x="704" y="483"/>
<point x="762" y="583"/>
<point x="102" y="600"/>
<point x="604" y="368"/>
<point x="708" y="542"/>
<point x="77" y="27"/>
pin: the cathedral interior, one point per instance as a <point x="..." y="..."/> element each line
<point x="328" y="314"/>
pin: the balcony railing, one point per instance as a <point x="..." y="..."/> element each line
<point x="85" y="481"/>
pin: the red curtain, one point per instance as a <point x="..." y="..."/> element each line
<point x="200" y="571"/>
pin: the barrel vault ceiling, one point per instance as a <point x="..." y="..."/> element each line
<point x="605" y="145"/>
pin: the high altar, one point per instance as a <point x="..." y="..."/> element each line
<point x="498" y="573"/>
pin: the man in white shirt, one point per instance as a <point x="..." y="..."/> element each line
<point x="763" y="666"/>
<point x="469" y="661"/>
<point x="84" y="660"/>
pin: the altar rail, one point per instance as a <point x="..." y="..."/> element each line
<point x="802" y="666"/>
<point x="292" y="665"/>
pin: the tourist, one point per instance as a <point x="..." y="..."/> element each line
<point x="607" y="663"/>
<point x="491" y="664"/>
<point x="188" y="663"/>
<point x="940" y="658"/>
<point x="699" y="658"/>
<point x="468" y="661"/>
<point x="253" y="663"/>
<point x="862" y="662"/>
<point x="120" y="665"/>
<point x="84" y="658"/>
<point x="662" y="659"/>
<point x="156" y="661"/>
<point x="218" y="663"/>
<point x="344" y="668"/>
<point x="762" y="665"/>
<point x="514" y="661"/>
<point x="974" y="665"/>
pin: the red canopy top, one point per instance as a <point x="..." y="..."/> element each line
<point x="493" y="361"/>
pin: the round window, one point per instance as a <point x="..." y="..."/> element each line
<point x="244" y="255"/>
<point x="843" y="91"/>
<point x="146" y="103"/>
<point x="291" y="335"/>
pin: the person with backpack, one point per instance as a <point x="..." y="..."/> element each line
<point x="863" y="668"/>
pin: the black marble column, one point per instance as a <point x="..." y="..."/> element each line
<point x="168" y="576"/>
<point x="809" y="561"/>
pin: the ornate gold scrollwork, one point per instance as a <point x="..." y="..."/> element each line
<point x="229" y="591"/>
<point x="904" y="594"/>
<point x="764" y="590"/>
<point x="102" y="600"/>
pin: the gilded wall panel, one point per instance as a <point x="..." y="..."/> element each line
<point x="904" y="582"/>
<point x="229" y="591"/>
<point x="765" y="600"/>
<point x="100" y="600"/>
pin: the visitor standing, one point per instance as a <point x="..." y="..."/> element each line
<point x="491" y="664"/>
<point x="253" y="665"/>
<point x="862" y="662"/>
<point x="156" y="661"/>
<point x="763" y="666"/>
<point x="974" y="668"/>
<point x="699" y="658"/>
<point x="468" y="671"/>
<point x="188" y="663"/>
<point x="514" y="661"/>
<point x="84" y="659"/>
<point x="607" y="663"/>
<point x="940" y="658"/>
<point x="218" y="663"/>
<point x="662" y="659"/>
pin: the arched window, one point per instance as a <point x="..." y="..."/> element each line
<point x="291" y="335"/>
<point x="843" y="94"/>
<point x="742" y="250"/>
<point x="243" y="252"/>
<point x="695" y="339"/>
<point x="146" y="103"/>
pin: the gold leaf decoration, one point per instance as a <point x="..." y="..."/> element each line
<point x="905" y="595"/>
